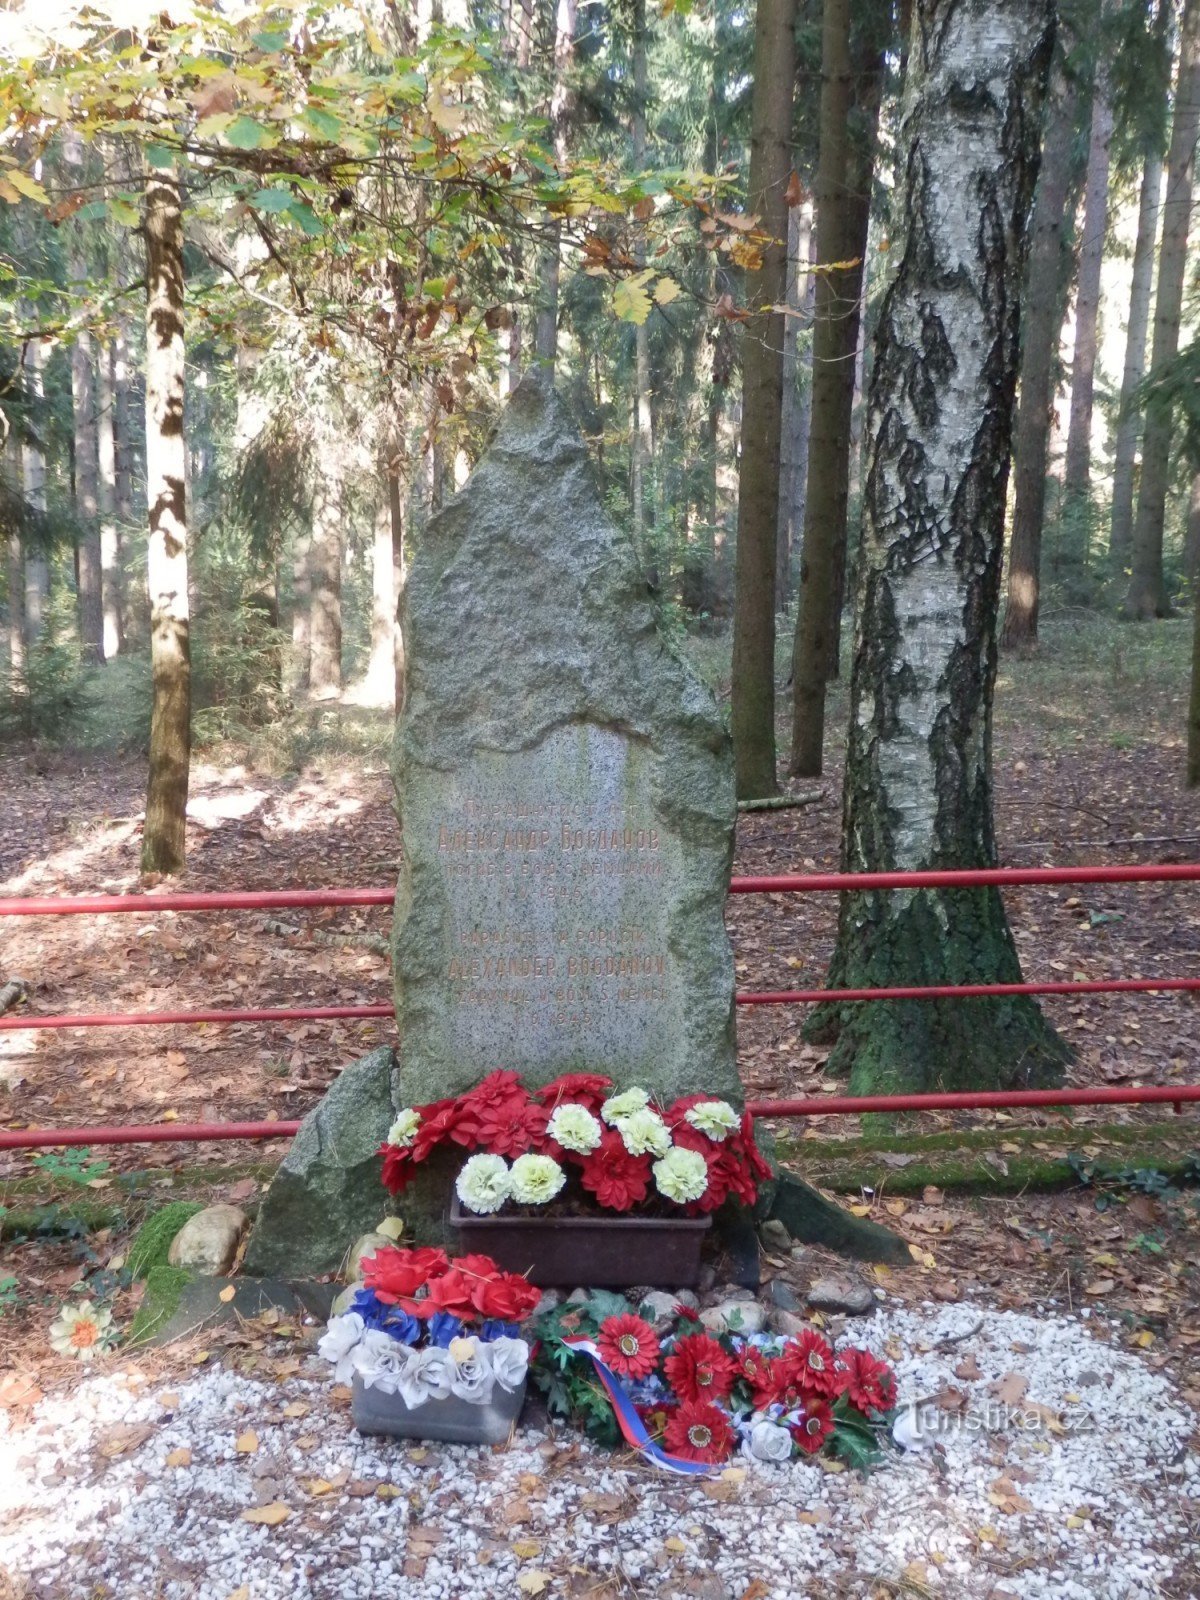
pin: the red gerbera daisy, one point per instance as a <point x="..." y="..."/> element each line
<point x="870" y="1384"/>
<point x="699" y="1369"/>
<point x="628" y="1345"/>
<point x="699" y="1431"/>
<point x="813" y="1357"/>
<point x="814" y="1427"/>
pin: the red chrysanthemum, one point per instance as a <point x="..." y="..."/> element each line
<point x="617" y="1179"/>
<point x="442" y="1120"/>
<point x="814" y="1427"/>
<point x="396" y="1274"/>
<point x="628" y="1345"/>
<point x="511" y="1127"/>
<point x="869" y="1384"/>
<point x="496" y="1089"/>
<point x="699" y="1369"/>
<point x="814" y="1363"/>
<point x="588" y="1089"/>
<point x="699" y="1431"/>
<point x="398" y="1167"/>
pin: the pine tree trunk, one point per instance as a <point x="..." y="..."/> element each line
<point x="1129" y="419"/>
<point x="33" y="480"/>
<point x="843" y="193"/>
<point x="1041" y="316"/>
<point x="1087" y="295"/>
<point x="545" y="341"/>
<point x="753" y="693"/>
<point x="918" y="787"/>
<point x="1147" y="596"/>
<point x="164" y="836"/>
<point x="106" y="499"/>
<point x="325" y="600"/>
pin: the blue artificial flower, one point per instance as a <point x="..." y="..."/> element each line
<point x="392" y="1320"/>
<point x="443" y="1326"/>
<point x="499" y="1330"/>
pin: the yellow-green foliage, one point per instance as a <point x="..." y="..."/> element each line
<point x="153" y="1239"/>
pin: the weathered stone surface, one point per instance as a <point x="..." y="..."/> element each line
<point x="774" y="1235"/>
<point x="328" y="1190"/>
<point x="735" y="1316"/>
<point x="565" y="792"/>
<point x="208" y="1241"/>
<point x="198" y="1305"/>
<point x="812" y="1219"/>
<point x="841" y="1292"/>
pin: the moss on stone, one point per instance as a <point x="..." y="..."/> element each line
<point x="164" y="1289"/>
<point x="152" y="1242"/>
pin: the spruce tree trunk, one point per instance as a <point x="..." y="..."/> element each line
<point x="106" y="502"/>
<point x="843" y="192"/>
<point x="325" y="577"/>
<point x="753" y="692"/>
<point x="1147" y="595"/>
<point x="1129" y="420"/>
<point x="1042" y="316"/>
<point x="545" y="340"/>
<point x="640" y="454"/>
<point x="1087" y="295"/>
<point x="793" y="434"/>
<point x="164" y="836"/>
<point x="89" y="562"/>
<point x="918" y="787"/>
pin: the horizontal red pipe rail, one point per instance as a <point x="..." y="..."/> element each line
<point x="814" y="882"/>
<point x="140" y="1019"/>
<point x="823" y="1106"/>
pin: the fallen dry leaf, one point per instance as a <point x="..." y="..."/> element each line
<point x="271" y="1516"/>
<point x="246" y="1443"/>
<point x="180" y="1458"/>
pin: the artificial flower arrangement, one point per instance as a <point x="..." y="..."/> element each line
<point x="691" y="1396"/>
<point x="575" y="1138"/>
<point x="427" y="1327"/>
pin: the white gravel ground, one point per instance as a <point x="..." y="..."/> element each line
<point x="1095" y="1498"/>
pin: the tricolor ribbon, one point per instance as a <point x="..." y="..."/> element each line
<point x="633" y="1429"/>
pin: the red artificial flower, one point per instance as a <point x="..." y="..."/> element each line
<point x="617" y="1179"/>
<point x="442" y="1120"/>
<point x="507" y="1298"/>
<point x="656" y="1416"/>
<point x="588" y="1089"/>
<point x="699" y="1369"/>
<point x="814" y="1427"/>
<point x="699" y="1431"/>
<point x="398" y="1167"/>
<point x="496" y="1089"/>
<point x="451" y="1292"/>
<point x="761" y="1373"/>
<point x="511" y="1127"/>
<point x="813" y="1360"/>
<point x="396" y="1274"/>
<point x="628" y="1345"/>
<point x="870" y="1384"/>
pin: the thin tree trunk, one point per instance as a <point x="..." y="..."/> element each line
<point x="561" y="105"/>
<point x="1129" y="417"/>
<point x="1087" y="295"/>
<point x="753" y="693"/>
<point x="1191" y="536"/>
<point x="18" y="687"/>
<point x="106" y="498"/>
<point x="396" y="519"/>
<point x="89" y="562"/>
<point x="639" y="455"/>
<point x="1192" y="778"/>
<point x="301" y="611"/>
<point x="381" y="669"/>
<point x="1147" y="596"/>
<point x="164" y="836"/>
<point x="918" y="787"/>
<point x="33" y="479"/>
<point x="1042" y="320"/>
<point x="325" y="574"/>
<point x="793" y="440"/>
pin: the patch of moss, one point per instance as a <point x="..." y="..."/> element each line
<point x="164" y="1289"/>
<point x="153" y="1239"/>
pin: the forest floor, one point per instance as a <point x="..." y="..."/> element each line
<point x="1089" y="760"/>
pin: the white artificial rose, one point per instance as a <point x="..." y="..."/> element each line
<point x="403" y="1131"/>
<point x="644" y="1133"/>
<point x="484" y="1183"/>
<point x="681" y="1175"/>
<point x="510" y="1361"/>
<point x="380" y="1360"/>
<point x="624" y="1105"/>
<point x="534" y="1180"/>
<point x="426" y="1377"/>
<point x="339" y="1342"/>
<point x="575" y="1128"/>
<point x="767" y="1441"/>
<point x="471" y="1375"/>
<point x="716" y="1118"/>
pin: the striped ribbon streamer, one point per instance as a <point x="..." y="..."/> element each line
<point x="633" y="1429"/>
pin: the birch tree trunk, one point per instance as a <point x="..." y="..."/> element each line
<point x="164" y="836"/>
<point x="753" y="694"/>
<point x="1129" y="420"/>
<point x="1087" y="295"/>
<point x="1147" y="595"/>
<point x="918" y="786"/>
<point x="1042" y="318"/>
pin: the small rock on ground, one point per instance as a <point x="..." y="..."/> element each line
<point x="841" y="1292"/>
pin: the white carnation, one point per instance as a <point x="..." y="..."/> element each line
<point x="575" y="1128"/>
<point x="681" y="1175"/>
<point x="644" y="1133"/>
<point x="338" y="1343"/>
<point x="510" y="1361"/>
<point x="403" y="1131"/>
<point x="535" y="1179"/>
<point x="767" y="1441"/>
<point x="484" y="1183"/>
<point x="716" y="1118"/>
<point x="624" y="1105"/>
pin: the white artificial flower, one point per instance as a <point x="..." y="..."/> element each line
<point x="644" y="1133"/>
<point x="380" y="1360"/>
<point x="471" y="1375"/>
<point x="429" y="1373"/>
<point x="767" y="1441"/>
<point x="908" y="1430"/>
<point x="84" y="1330"/>
<point x="484" y="1183"/>
<point x="534" y="1180"/>
<point x="624" y="1105"/>
<point x="403" y="1131"/>
<point x="510" y="1361"/>
<point x="681" y="1175"/>
<point x="716" y="1118"/>
<point x="575" y="1128"/>
<point x="338" y="1343"/>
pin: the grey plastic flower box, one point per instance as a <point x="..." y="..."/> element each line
<point x="452" y="1421"/>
